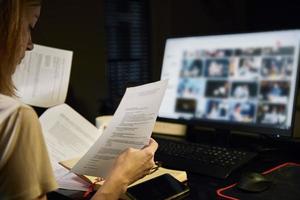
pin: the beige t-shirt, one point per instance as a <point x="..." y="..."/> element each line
<point x="25" y="169"/>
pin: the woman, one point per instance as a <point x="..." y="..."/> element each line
<point x="25" y="170"/>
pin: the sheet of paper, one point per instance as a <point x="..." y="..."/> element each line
<point x="42" y="79"/>
<point x="68" y="135"/>
<point x="69" y="181"/>
<point x="131" y="126"/>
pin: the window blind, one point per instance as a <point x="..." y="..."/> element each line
<point x="128" y="46"/>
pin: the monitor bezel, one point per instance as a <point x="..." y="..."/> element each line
<point x="255" y="129"/>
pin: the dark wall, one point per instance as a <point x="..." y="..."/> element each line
<point x="177" y="18"/>
<point x="78" y="26"/>
<point x="273" y="15"/>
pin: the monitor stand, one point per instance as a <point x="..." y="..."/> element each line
<point x="199" y="134"/>
<point x="227" y="138"/>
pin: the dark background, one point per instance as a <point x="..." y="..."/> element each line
<point x="83" y="27"/>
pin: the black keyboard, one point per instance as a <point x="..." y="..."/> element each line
<point x="209" y="160"/>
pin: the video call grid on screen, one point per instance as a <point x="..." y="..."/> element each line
<point x="242" y="78"/>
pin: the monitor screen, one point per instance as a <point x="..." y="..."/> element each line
<point x="239" y="81"/>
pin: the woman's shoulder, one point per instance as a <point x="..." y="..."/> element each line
<point x="7" y="101"/>
<point x="9" y="106"/>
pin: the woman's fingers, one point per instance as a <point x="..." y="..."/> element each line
<point x="133" y="164"/>
<point x="152" y="146"/>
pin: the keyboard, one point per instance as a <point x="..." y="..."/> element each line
<point x="204" y="159"/>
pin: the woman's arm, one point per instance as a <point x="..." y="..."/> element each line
<point x="130" y="166"/>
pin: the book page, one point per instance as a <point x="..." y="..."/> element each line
<point x="42" y="79"/>
<point x="68" y="164"/>
<point x="68" y="135"/>
<point x="131" y="126"/>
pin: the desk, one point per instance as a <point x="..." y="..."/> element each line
<point x="204" y="187"/>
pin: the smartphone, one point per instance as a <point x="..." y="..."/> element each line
<point x="163" y="187"/>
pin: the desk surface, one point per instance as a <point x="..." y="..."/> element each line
<point x="204" y="187"/>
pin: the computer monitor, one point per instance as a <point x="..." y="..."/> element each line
<point x="237" y="82"/>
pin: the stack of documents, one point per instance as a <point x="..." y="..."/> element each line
<point x="43" y="81"/>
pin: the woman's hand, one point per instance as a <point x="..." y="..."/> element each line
<point x="134" y="164"/>
<point x="131" y="165"/>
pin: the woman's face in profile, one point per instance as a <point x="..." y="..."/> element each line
<point x="30" y="19"/>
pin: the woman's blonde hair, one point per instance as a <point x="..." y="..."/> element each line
<point x="11" y="14"/>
